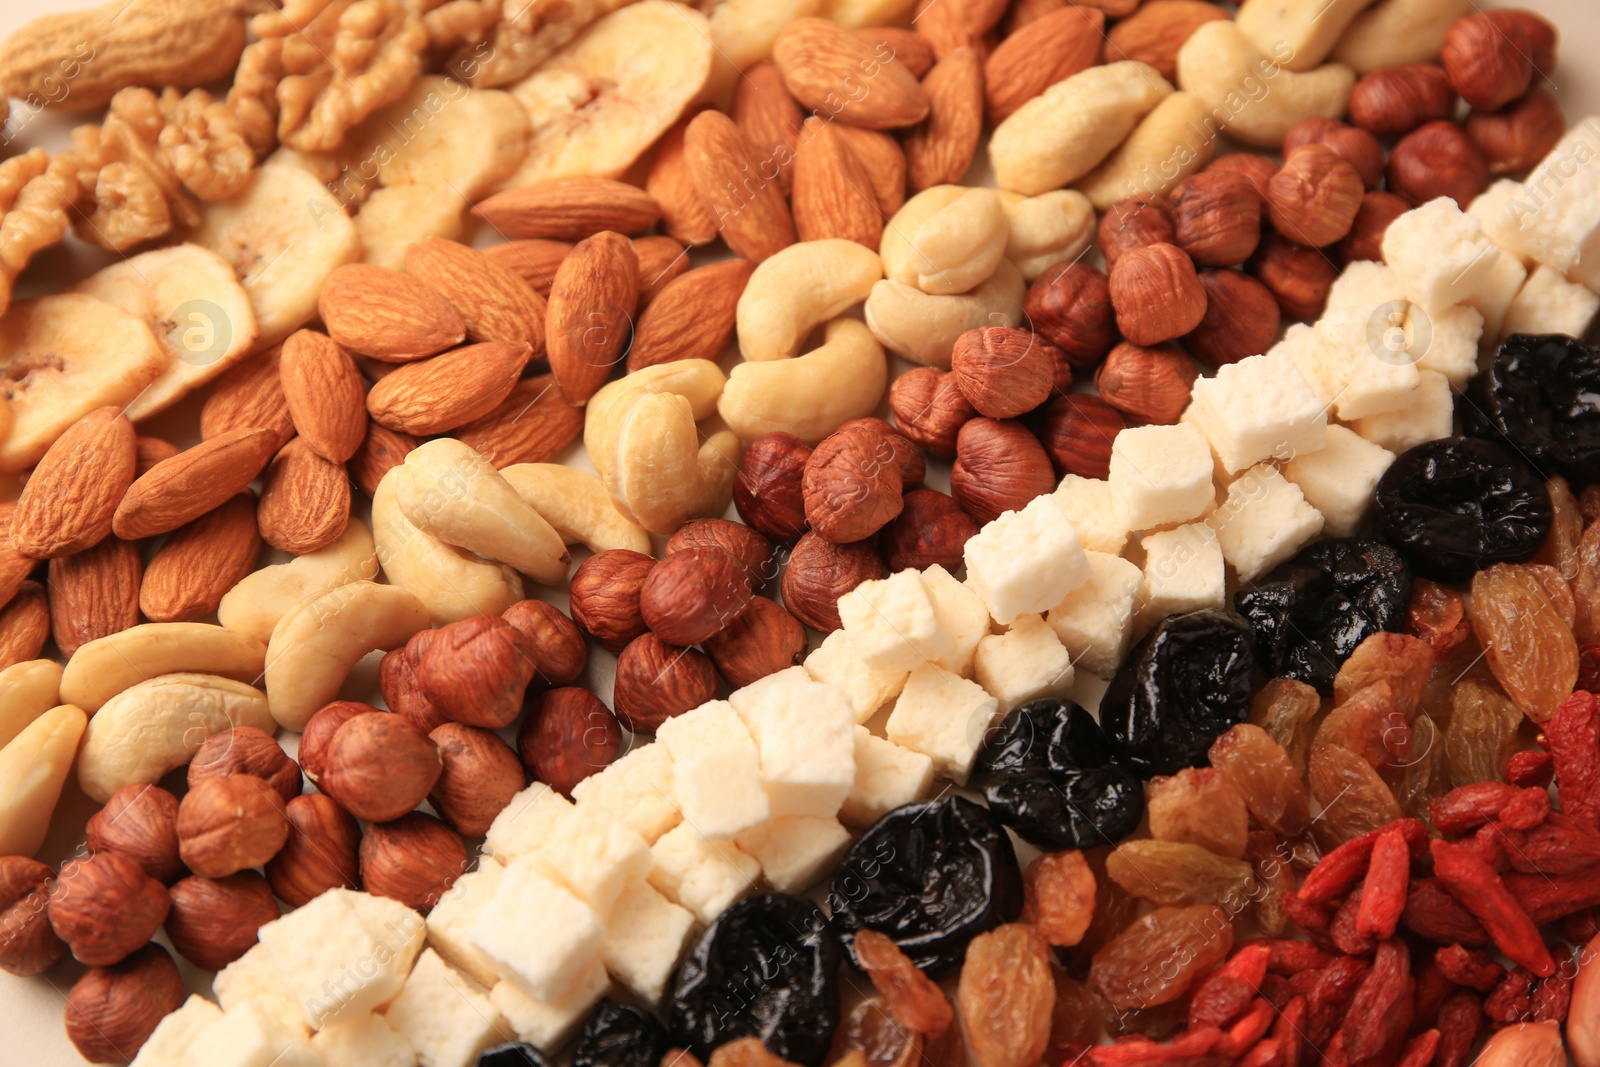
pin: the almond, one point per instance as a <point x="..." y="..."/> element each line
<point x="570" y="209"/>
<point x="532" y="425"/>
<point x="661" y="260"/>
<point x="327" y="398"/>
<point x="200" y="562"/>
<point x="1155" y="33"/>
<point x="769" y="118"/>
<point x="693" y="318"/>
<point x="751" y="213"/>
<point x="14" y="566"/>
<point x="188" y="485"/>
<point x="249" y="397"/>
<point x="684" y="212"/>
<point x="833" y="197"/>
<point x="387" y="315"/>
<point x="940" y="150"/>
<point x="95" y="593"/>
<point x="1043" y="52"/>
<point x="881" y="156"/>
<point x="305" y="500"/>
<point x="494" y="301"/>
<point x="24" y="625"/>
<point x="380" y="452"/>
<point x="534" y="260"/>
<point x="447" y="391"/>
<point x="827" y="67"/>
<point x="906" y="46"/>
<point x="592" y="303"/>
<point x="70" y="497"/>
<point x="944" y="25"/>
<point x="148" y="451"/>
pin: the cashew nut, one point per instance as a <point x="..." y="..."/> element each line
<point x="1047" y="229"/>
<point x="794" y="291"/>
<point x="156" y="726"/>
<point x="104" y="667"/>
<point x="1064" y="132"/>
<point x="1169" y="145"/>
<point x="1309" y="28"/>
<point x="946" y="240"/>
<point x="27" y="690"/>
<point x="577" y="504"/>
<point x="743" y="33"/>
<point x="812" y="395"/>
<point x="452" y="584"/>
<point x="315" y="645"/>
<point x="254" y="606"/>
<point x="33" y="768"/>
<point x="449" y="490"/>
<point x="1251" y="95"/>
<point x="1392" y="32"/>
<point x="700" y="380"/>
<point x="923" y="328"/>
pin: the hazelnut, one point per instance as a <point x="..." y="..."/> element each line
<point x="1518" y="136"/>
<point x="1488" y="58"/>
<point x="1003" y="371"/>
<point x="1077" y="433"/>
<point x="321" y="851"/>
<point x="1149" y="385"/>
<point x="28" y="946"/>
<point x="558" y="645"/>
<point x="819" y="572"/>
<point x="481" y="774"/>
<point x="228" y="824"/>
<point x="694" y="594"/>
<point x="605" y="594"/>
<point x="1393" y="101"/>
<point x="1436" y="160"/>
<point x="930" y="530"/>
<point x="852" y="487"/>
<point x="765" y="640"/>
<point x="140" y="822"/>
<point x="1069" y="305"/>
<point x="999" y="467"/>
<point x="1217" y="217"/>
<point x="113" y="1010"/>
<point x="476" y="670"/>
<point x="319" y="731"/>
<point x="1156" y="294"/>
<point x="929" y="409"/>
<point x="767" y="490"/>
<point x="567" y="735"/>
<point x="104" y="907"/>
<point x="1359" y="148"/>
<point x="1242" y="319"/>
<point x="415" y="859"/>
<point x="1135" y="223"/>
<point x="380" y="766"/>
<point x="1314" y="197"/>
<point x="1542" y="38"/>
<point x="656" y="681"/>
<point x="744" y="543"/>
<point x="1258" y="170"/>
<point x="1299" y="277"/>
<point x="214" y="921"/>
<point x="247" y="750"/>
<point x="907" y="456"/>
<point x="1365" y="239"/>
<point x="397" y="678"/>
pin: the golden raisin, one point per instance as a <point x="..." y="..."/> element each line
<point x="1172" y="872"/>
<point x="1154" y="961"/>
<point x="1058" y="896"/>
<point x="1286" y="709"/>
<point x="1438" y="615"/>
<point x="1200" y="807"/>
<point x="1586" y="588"/>
<point x="1075" y="1021"/>
<point x="1354" y="798"/>
<point x="1566" y="530"/>
<point x="870" y="1030"/>
<point x="1371" y="725"/>
<point x="1261" y="770"/>
<point x="915" y="1002"/>
<point x="1007" y="995"/>
<point x="1529" y="646"/>
<point x="1482" y="734"/>
<point x="1403" y="661"/>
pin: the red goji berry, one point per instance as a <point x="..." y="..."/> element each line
<point x="1463" y="810"/>
<point x="1419" y="1052"/>
<point x="1512" y="1000"/>
<point x="1552" y="997"/>
<point x="1189" y="1047"/>
<point x="1561" y="845"/>
<point x="1527" y="809"/>
<point x="1290" y="957"/>
<point x="1531" y="768"/>
<point x="1480" y="891"/>
<point x="1268" y="1053"/>
<point x="1380" y="1010"/>
<point x="1433" y="989"/>
<point x="1546" y="898"/>
<point x="1312" y="919"/>
<point x="1580" y="928"/>
<point x="1329" y="995"/>
<point x="1460" y="1019"/>
<point x="1436" y="915"/>
<point x="1223" y="994"/>
<point x="1489" y="845"/>
<point x="1343" y="933"/>
<point x="1251" y="1028"/>
<point x="1342" y="868"/>
<point x="1464" y="967"/>
<point x="1289" y="1031"/>
<point x="1573" y="737"/>
<point x="1383" y="894"/>
<point x="1277" y="990"/>
<point x="1589" y="668"/>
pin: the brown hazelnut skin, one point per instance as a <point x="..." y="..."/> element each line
<point x="1078" y="431"/>
<point x="1357" y="147"/>
<point x="319" y="731"/>
<point x="1069" y="305"/>
<point x="1314" y="197"/>
<point x="380" y="766"/>
<point x="214" y="921"/>
<point x="1156" y="294"/>
<point x="476" y="671"/>
<point x="1488" y="58"/>
<point x="765" y="640"/>
<point x="819" y="572"/>
<point x="481" y="774"/>
<point x="1365" y="239"/>
<point x="1299" y="277"/>
<point x="1003" y="371"/>
<point x="929" y="409"/>
<point x="397" y="679"/>
<point x="558" y="645"/>
<point x="1134" y="223"/>
<point x="931" y="530"/>
<point x="113" y="1010"/>
<point x="907" y="456"/>
<point x="105" y="907"/>
<point x="1257" y="170"/>
<point x="695" y="594"/>
<point x="767" y="490"/>
<point x="1543" y="37"/>
<point x="1518" y="136"/>
<point x="1147" y="384"/>
<point x="1393" y="101"/>
<point x="247" y="750"/>
<point x="1436" y="160"/>
<point x="656" y="680"/>
<point x="321" y="851"/>
<point x="228" y="824"/>
<point x="605" y="595"/>
<point x="1242" y="319"/>
<point x="1217" y="218"/>
<point x="852" y="487"/>
<point x="140" y="822"/>
<point x="744" y="543"/>
<point x="28" y="946"/>
<point x="414" y="859"/>
<point x="567" y="735"/>
<point x="999" y="467"/>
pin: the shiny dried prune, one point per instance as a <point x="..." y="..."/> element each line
<point x="1456" y="505"/>
<point x="1310" y="613"/>
<point x="1539" y="395"/>
<point x="621" y="1035"/>
<point x="520" y="1054"/>
<point x="768" y="967"/>
<point x="932" y="876"/>
<point x="1187" y="682"/>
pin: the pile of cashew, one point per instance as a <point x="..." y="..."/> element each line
<point x="105" y="667"/>
<point x="1170" y="144"/>
<point x="809" y="396"/>
<point x="1255" y="95"/>
<point x="923" y="328"/>
<point x="1047" y="229"/>
<point x="35" y="762"/>
<point x="577" y="504"/>
<point x="1308" y="32"/>
<point x="1392" y="32"/>
<point x="795" y="291"/>
<point x="946" y="240"/>
<point x="254" y="606"/>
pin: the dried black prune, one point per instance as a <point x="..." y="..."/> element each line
<point x="768" y="967"/>
<point x="1310" y="613"/>
<point x="1180" y="688"/>
<point x="932" y="876"/>
<point x="1457" y="505"/>
<point x="621" y="1035"/>
<point x="1541" y="396"/>
<point x="520" y="1054"/>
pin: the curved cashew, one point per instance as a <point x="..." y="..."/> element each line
<point x="1064" y="132"/>
<point x="577" y="504"/>
<point x="33" y="768"/>
<point x="448" y="489"/>
<point x="254" y="606"/>
<point x="946" y="240"/>
<point x="1251" y="95"/>
<point x="156" y="726"/>
<point x="1392" y="32"/>
<point x="923" y="328"/>
<point x="1047" y="229"/>
<point x="661" y="475"/>
<point x="27" y="690"/>
<point x="699" y="380"/>
<point x="315" y="645"/>
<point x="812" y="395"/>
<point x="1169" y="145"/>
<point x="794" y="291"/>
<point x="1309" y="29"/>
<point x="104" y="667"/>
<point x="452" y="584"/>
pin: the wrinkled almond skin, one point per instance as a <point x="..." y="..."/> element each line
<point x="534" y="260"/>
<point x="96" y="592"/>
<point x="767" y="491"/>
<point x="1365" y="239"/>
<point x="199" y="562"/>
<point x="1150" y="385"/>
<point x="321" y="853"/>
<point x="833" y="196"/>
<point x="193" y="482"/>
<point x="999" y="467"/>
<point x="1314" y="197"/>
<point x="693" y="317"/>
<point x="930" y="409"/>
<point x="1003" y="371"/>
<point x="325" y="394"/>
<point x="820" y="61"/>
<point x="851" y="486"/>
<point x="387" y="315"/>
<point x="533" y="424"/>
<point x="605" y="596"/>
<point x="1134" y="223"/>
<point x="397" y="679"/>
<point x="1069" y="305"/>
<point x="437" y="395"/>
<point x="764" y="640"/>
<point x="494" y="302"/>
<point x="1357" y="147"/>
<point x="214" y="921"/>
<point x="568" y="735"/>
<point x="1045" y="51"/>
<point x="305" y="500"/>
<point x="909" y="48"/>
<point x="228" y="824"/>
<point x="695" y="594"/>
<point x="684" y="213"/>
<point x="1242" y="319"/>
<point x="74" y="490"/>
<point x="1156" y="294"/>
<point x="140" y="822"/>
<point x="148" y="451"/>
<point x="558" y="646"/>
<point x="382" y="450"/>
<point x="590" y="319"/>
<point x="1393" y="101"/>
<point x="743" y="542"/>
<point x="940" y="150"/>
<point x="378" y="767"/>
<point x="931" y="530"/>
<point x="105" y="907"/>
<point x="656" y="681"/>
<point x="113" y="1010"/>
<point x="1299" y="277"/>
<point x="415" y="859"/>
<point x="246" y="750"/>
<point x="718" y="158"/>
<point x="481" y="775"/>
<point x="249" y="397"/>
<point x="476" y="670"/>
<point x="769" y="118"/>
<point x="1436" y="160"/>
<point x="1156" y="32"/>
<point x="570" y="209"/>
<point x="28" y="946"/>
<point x="24" y="625"/>
<point x="819" y="572"/>
<point x="318" y="734"/>
<point x="1216" y="218"/>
